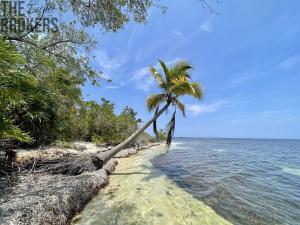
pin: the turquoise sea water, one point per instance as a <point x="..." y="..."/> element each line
<point x="246" y="181"/>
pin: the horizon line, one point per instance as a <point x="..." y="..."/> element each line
<point x="241" y="138"/>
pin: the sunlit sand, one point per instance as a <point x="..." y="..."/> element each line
<point x="138" y="193"/>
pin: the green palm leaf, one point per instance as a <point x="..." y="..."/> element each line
<point x="159" y="78"/>
<point x="180" y="69"/>
<point x="180" y="106"/>
<point x="176" y="83"/>
<point x="166" y="71"/>
<point x="153" y="101"/>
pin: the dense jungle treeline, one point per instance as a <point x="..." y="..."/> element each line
<point x="38" y="110"/>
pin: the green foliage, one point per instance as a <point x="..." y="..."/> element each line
<point x="40" y="97"/>
<point x="97" y="140"/>
<point x="62" y="144"/>
<point x="162" y="136"/>
<point x="11" y="95"/>
<point x="112" y="15"/>
<point x="69" y="46"/>
<point x="49" y="108"/>
<point x="38" y="115"/>
<point x="46" y="107"/>
<point x="104" y="126"/>
<point x="174" y="83"/>
<point x="40" y="111"/>
<point x="145" y="138"/>
<point x="28" y="106"/>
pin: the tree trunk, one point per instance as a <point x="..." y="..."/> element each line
<point x="109" y="154"/>
<point x="75" y="165"/>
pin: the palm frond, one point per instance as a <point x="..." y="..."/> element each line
<point x="180" y="69"/>
<point x="154" y="100"/>
<point x="166" y="70"/>
<point x="177" y="82"/>
<point x="170" y="130"/>
<point x="155" y="125"/>
<point x="197" y="90"/>
<point x="180" y="106"/>
<point x="11" y="131"/>
<point x="159" y="78"/>
<point x="181" y="86"/>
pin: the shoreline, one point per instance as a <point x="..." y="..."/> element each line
<point x="55" y="199"/>
<point x="140" y="193"/>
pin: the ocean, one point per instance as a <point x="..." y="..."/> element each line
<point x="246" y="181"/>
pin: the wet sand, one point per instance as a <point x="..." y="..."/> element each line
<point x="138" y="193"/>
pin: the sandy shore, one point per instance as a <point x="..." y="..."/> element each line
<point x="41" y="199"/>
<point x="140" y="194"/>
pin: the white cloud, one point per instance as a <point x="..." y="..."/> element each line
<point x="290" y="63"/>
<point x="206" y="26"/>
<point x="276" y="112"/>
<point x="143" y="79"/>
<point x="113" y="86"/>
<point x="240" y="80"/>
<point x="108" y="65"/>
<point x="197" y="109"/>
<point x="177" y="33"/>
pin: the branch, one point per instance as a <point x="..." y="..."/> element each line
<point x="45" y="48"/>
<point x="206" y="4"/>
<point x="38" y="21"/>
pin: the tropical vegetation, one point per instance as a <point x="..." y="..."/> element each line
<point x="174" y="83"/>
<point x="41" y="73"/>
<point x="41" y="110"/>
<point x="41" y="76"/>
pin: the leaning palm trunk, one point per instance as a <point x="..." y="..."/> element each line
<point x="109" y="154"/>
<point x="175" y="83"/>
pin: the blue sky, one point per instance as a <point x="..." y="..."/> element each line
<point x="247" y="59"/>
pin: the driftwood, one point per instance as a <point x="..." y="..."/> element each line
<point x="72" y="166"/>
<point x="68" y="165"/>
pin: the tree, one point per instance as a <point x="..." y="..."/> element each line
<point x="175" y="83"/>
<point x="11" y="81"/>
<point x="127" y="122"/>
<point x="58" y="29"/>
<point x="66" y="39"/>
<point x="35" y="110"/>
<point x="161" y="134"/>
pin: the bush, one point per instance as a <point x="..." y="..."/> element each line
<point x="63" y="144"/>
<point x="98" y="140"/>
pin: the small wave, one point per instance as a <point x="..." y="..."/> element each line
<point x="291" y="170"/>
<point x="219" y="150"/>
<point x="177" y="145"/>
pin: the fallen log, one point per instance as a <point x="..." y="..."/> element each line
<point x="71" y="166"/>
<point x="66" y="164"/>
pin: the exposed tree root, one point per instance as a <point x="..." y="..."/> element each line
<point x="72" y="166"/>
<point x="67" y="166"/>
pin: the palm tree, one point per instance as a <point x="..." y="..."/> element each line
<point x="175" y="83"/>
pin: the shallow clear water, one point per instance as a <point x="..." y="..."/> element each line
<point x="204" y="181"/>
<point x="140" y="194"/>
<point x="246" y="181"/>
